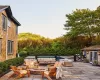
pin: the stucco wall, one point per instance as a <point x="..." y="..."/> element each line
<point x="99" y="57"/>
<point x="88" y="55"/>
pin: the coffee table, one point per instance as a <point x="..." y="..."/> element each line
<point x="38" y="70"/>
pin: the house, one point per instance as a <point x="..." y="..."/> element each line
<point x="8" y="33"/>
<point x="92" y="53"/>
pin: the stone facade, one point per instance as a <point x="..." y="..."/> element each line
<point x="5" y="35"/>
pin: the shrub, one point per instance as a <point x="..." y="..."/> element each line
<point x="5" y="66"/>
<point x="23" y="54"/>
<point x="95" y="63"/>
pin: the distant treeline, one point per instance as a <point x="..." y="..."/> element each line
<point x="83" y="29"/>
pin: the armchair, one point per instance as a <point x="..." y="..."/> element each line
<point x="50" y="73"/>
<point x="19" y="72"/>
<point x="31" y="63"/>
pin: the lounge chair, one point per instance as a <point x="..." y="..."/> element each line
<point x="51" y="73"/>
<point x="20" y="72"/>
<point x="31" y="63"/>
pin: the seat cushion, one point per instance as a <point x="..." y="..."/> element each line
<point x="46" y="72"/>
<point x="23" y="71"/>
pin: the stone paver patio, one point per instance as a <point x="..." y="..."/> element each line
<point x="80" y="71"/>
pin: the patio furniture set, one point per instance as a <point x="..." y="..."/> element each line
<point x="33" y="66"/>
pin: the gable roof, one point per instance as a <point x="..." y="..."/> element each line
<point x="9" y="13"/>
<point x="95" y="47"/>
<point x="1" y="7"/>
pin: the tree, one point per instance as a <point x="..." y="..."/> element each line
<point x="84" y="22"/>
<point x="96" y="29"/>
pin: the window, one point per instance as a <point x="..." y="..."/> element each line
<point x="95" y="56"/>
<point x="8" y="22"/>
<point x="10" y="47"/>
<point x="4" y="22"/>
<point x="84" y="53"/>
<point x="0" y="45"/>
<point x="16" y="29"/>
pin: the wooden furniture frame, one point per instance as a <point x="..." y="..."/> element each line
<point x="42" y="73"/>
<point x="17" y="71"/>
<point x="38" y="70"/>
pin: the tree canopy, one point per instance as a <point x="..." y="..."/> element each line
<point x="84" y="22"/>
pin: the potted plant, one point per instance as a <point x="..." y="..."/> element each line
<point x="86" y="60"/>
<point x="95" y="63"/>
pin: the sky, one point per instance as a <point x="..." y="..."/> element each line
<point x="46" y="17"/>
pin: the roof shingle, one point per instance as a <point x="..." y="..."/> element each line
<point x="96" y="47"/>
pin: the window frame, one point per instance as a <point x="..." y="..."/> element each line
<point x="95" y="55"/>
<point x="8" y="22"/>
<point x="16" y="30"/>
<point x="10" y="47"/>
<point x="4" y="22"/>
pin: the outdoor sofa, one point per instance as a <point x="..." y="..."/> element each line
<point x="46" y="59"/>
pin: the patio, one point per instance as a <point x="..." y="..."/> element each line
<point x="79" y="71"/>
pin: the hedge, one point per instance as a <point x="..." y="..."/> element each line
<point x="5" y="66"/>
<point x="49" y="52"/>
